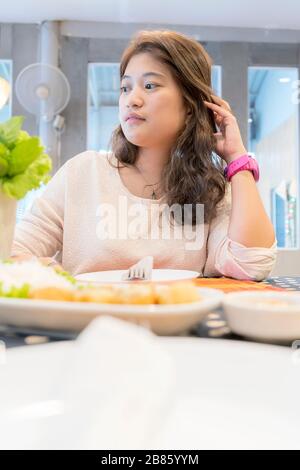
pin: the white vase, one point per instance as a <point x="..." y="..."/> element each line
<point x="8" y="210"/>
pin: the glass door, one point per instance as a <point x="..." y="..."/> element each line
<point x="273" y="128"/>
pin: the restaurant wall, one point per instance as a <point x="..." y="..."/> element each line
<point x="19" y="43"/>
<point x="233" y="49"/>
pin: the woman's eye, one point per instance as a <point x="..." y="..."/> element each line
<point x="124" y="89"/>
<point x="150" y="84"/>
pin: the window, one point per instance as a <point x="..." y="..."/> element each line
<point x="216" y="79"/>
<point x="5" y="87"/>
<point x="103" y="102"/>
<point x="25" y="204"/>
<point x="273" y="138"/>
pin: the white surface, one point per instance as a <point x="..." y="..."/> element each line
<point x="252" y="13"/>
<point x="117" y="275"/>
<point x="109" y="388"/>
<point x="233" y="394"/>
<point x="227" y="394"/>
<point x="246" y="316"/>
<point x="162" y="319"/>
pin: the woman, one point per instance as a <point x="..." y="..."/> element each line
<point x="162" y="156"/>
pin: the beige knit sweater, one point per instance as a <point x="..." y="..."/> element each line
<point x="93" y="221"/>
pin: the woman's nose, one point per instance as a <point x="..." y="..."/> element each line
<point x="134" y="98"/>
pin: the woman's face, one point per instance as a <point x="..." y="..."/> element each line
<point x="149" y="90"/>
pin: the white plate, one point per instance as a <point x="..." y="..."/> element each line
<point x="247" y="317"/>
<point x="74" y="316"/>
<point x="157" y="275"/>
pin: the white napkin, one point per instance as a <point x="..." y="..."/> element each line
<point x="116" y="387"/>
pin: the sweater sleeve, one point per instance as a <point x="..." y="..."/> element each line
<point x="229" y="258"/>
<point x="40" y="232"/>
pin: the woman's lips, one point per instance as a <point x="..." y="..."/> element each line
<point x="134" y="120"/>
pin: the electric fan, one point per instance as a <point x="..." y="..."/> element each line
<point x="43" y="90"/>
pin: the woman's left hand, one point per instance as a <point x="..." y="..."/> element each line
<point x="229" y="143"/>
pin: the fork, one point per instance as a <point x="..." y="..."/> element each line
<point x="141" y="270"/>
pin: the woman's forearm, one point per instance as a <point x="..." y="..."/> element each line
<point x="44" y="260"/>
<point x="249" y="223"/>
<point x="21" y="257"/>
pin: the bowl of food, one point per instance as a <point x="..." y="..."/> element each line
<point x="264" y="316"/>
<point x="33" y="295"/>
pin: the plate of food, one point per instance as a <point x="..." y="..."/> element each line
<point x="264" y="316"/>
<point x="158" y="275"/>
<point x="37" y="296"/>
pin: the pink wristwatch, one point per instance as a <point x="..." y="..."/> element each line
<point x="245" y="162"/>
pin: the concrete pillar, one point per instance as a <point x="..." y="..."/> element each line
<point x="49" y="54"/>
<point x="234" y="58"/>
<point x="74" y="65"/>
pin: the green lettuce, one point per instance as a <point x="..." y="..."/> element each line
<point x="15" y="292"/>
<point x="23" y="164"/>
<point x="9" y="131"/>
<point x="67" y="276"/>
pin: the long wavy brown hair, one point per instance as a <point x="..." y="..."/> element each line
<point x="192" y="174"/>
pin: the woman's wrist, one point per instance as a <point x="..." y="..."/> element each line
<point x="236" y="155"/>
<point x="242" y="163"/>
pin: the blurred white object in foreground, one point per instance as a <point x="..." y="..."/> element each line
<point x="112" y="391"/>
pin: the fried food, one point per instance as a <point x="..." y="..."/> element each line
<point x="52" y="293"/>
<point x="101" y="294"/>
<point x="129" y="294"/>
<point x="176" y="293"/>
<point x="136" y="294"/>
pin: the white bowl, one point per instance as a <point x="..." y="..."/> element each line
<point x="251" y="314"/>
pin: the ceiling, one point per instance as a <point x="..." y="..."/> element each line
<point x="266" y="14"/>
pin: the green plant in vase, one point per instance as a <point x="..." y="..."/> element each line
<point x="23" y="166"/>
